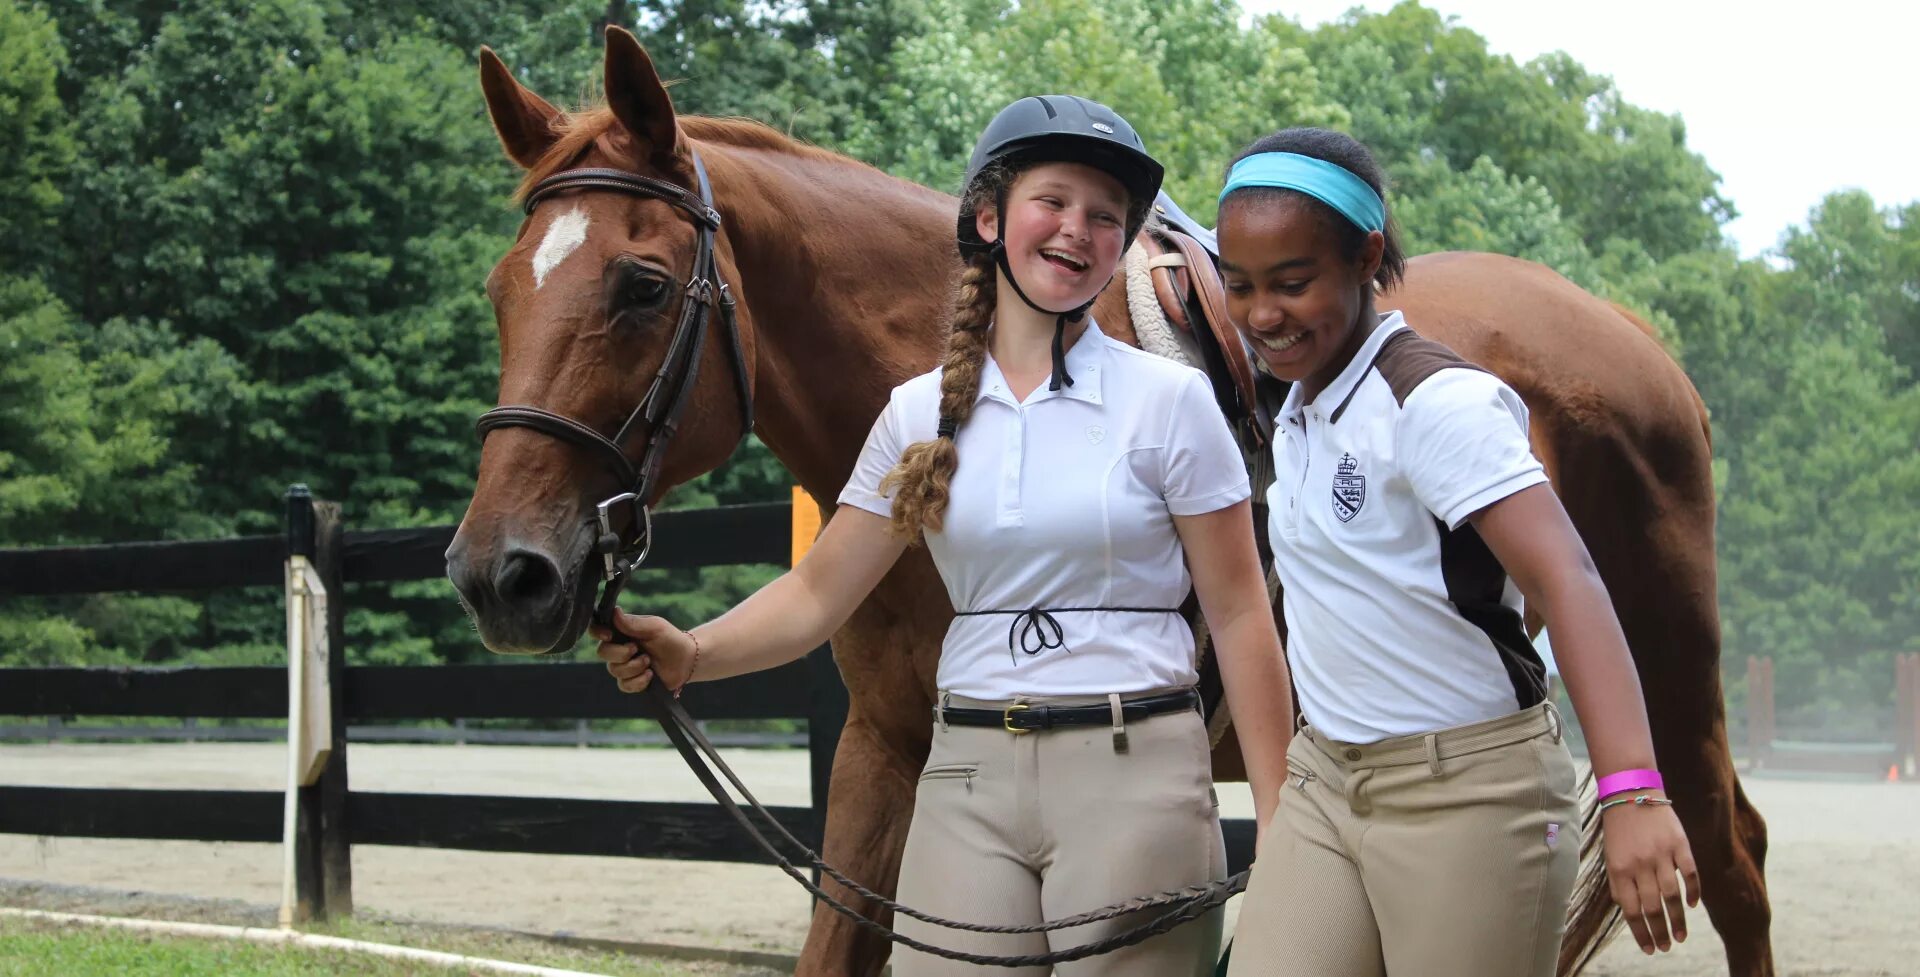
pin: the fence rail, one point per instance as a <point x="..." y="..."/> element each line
<point x="329" y="818"/>
<point x="56" y="729"/>
<point x="1896" y="756"/>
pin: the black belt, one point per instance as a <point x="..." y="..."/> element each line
<point x="1023" y="717"/>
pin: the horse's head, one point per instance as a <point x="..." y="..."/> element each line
<point x="600" y="281"/>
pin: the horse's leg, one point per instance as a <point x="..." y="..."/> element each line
<point x="883" y="652"/>
<point x="1647" y="518"/>
<point x="868" y="810"/>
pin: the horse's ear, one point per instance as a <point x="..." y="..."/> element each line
<point x="524" y="121"/>
<point x="637" y="97"/>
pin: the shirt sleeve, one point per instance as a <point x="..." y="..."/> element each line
<point x="878" y="456"/>
<point x="1462" y="442"/>
<point x="1205" y="472"/>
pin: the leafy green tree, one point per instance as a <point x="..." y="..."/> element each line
<point x="1194" y="84"/>
<point x="1420" y="86"/>
<point x="1486" y="209"/>
<point x="89" y="422"/>
<point x="36" y="144"/>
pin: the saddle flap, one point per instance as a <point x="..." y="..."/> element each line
<point x="1210" y="300"/>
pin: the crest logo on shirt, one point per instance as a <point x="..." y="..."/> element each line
<point x="1096" y="434"/>
<point x="1349" y="489"/>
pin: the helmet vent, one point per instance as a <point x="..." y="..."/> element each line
<point x="1051" y="113"/>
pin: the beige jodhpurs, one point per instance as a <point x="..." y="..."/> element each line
<point x="1021" y="828"/>
<point x="1446" y="855"/>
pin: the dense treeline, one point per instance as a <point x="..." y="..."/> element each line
<point x="242" y="245"/>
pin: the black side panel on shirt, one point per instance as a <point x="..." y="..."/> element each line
<point x="1405" y="360"/>
<point x="1475" y="580"/>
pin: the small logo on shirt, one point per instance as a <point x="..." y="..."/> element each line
<point x="1349" y="489"/>
<point x="1096" y="434"/>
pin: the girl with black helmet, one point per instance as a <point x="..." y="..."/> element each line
<point x="1069" y="764"/>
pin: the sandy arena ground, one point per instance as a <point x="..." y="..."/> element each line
<point x="1844" y="867"/>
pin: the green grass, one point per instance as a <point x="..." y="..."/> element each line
<point x="41" y="949"/>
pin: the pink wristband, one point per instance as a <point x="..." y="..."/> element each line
<point x="1625" y="780"/>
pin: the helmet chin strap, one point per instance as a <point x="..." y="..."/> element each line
<point x="1060" y="321"/>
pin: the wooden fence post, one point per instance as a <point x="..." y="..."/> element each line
<point x="826" y="714"/>
<point x="335" y="851"/>
<point x="321" y="861"/>
<point x="1906" y="734"/>
<point x="1760" y="731"/>
<point x="307" y="900"/>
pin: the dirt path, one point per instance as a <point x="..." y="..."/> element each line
<point x="1844" y="866"/>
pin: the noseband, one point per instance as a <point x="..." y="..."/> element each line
<point x="673" y="384"/>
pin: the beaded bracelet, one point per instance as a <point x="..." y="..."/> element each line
<point x="1642" y="800"/>
<point x="691" y="668"/>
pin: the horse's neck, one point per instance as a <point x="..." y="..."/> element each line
<point x="843" y="273"/>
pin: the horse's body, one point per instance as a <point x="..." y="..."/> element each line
<point x="841" y="273"/>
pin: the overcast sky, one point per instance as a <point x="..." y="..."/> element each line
<point x="1786" y="102"/>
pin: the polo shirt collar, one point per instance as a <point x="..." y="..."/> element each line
<point x="1341" y="389"/>
<point x="1084" y="361"/>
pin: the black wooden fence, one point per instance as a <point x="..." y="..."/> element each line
<point x="331" y="817"/>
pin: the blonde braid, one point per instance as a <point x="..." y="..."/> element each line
<point x="919" y="482"/>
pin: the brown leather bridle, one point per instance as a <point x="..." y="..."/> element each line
<point x="672" y="388"/>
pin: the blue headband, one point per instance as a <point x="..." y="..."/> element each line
<point x="1326" y="182"/>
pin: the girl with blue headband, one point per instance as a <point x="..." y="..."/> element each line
<point x="1429" y="823"/>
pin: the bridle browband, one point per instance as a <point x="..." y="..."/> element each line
<point x="672" y="388"/>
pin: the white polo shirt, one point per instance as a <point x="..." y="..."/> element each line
<point x="1399" y="618"/>
<point x="1067" y="501"/>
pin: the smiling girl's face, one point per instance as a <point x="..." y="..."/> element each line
<point x="1294" y="287"/>
<point x="1064" y="232"/>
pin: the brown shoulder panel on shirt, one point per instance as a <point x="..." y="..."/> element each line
<point x="1407" y="359"/>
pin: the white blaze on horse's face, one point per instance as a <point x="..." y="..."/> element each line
<point x="563" y="236"/>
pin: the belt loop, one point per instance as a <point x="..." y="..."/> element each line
<point x="1119" y="723"/>
<point x="1553" y="719"/>
<point x="1433" y="753"/>
<point x="940" y="711"/>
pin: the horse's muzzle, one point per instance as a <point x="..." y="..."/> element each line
<point x="524" y="600"/>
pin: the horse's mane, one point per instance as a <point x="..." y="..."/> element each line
<point x="578" y="130"/>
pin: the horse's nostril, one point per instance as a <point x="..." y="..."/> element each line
<point x="526" y="578"/>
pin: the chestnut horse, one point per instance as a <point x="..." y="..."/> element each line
<point x="841" y="274"/>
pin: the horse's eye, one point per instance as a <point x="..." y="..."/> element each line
<point x="634" y="289"/>
<point x="646" y="291"/>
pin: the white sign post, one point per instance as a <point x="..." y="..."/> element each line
<point x="309" y="715"/>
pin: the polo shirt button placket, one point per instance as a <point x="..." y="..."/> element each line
<point x="1010" y="513"/>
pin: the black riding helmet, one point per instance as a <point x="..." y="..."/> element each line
<point x="1059" y="129"/>
<point x="1062" y="129"/>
